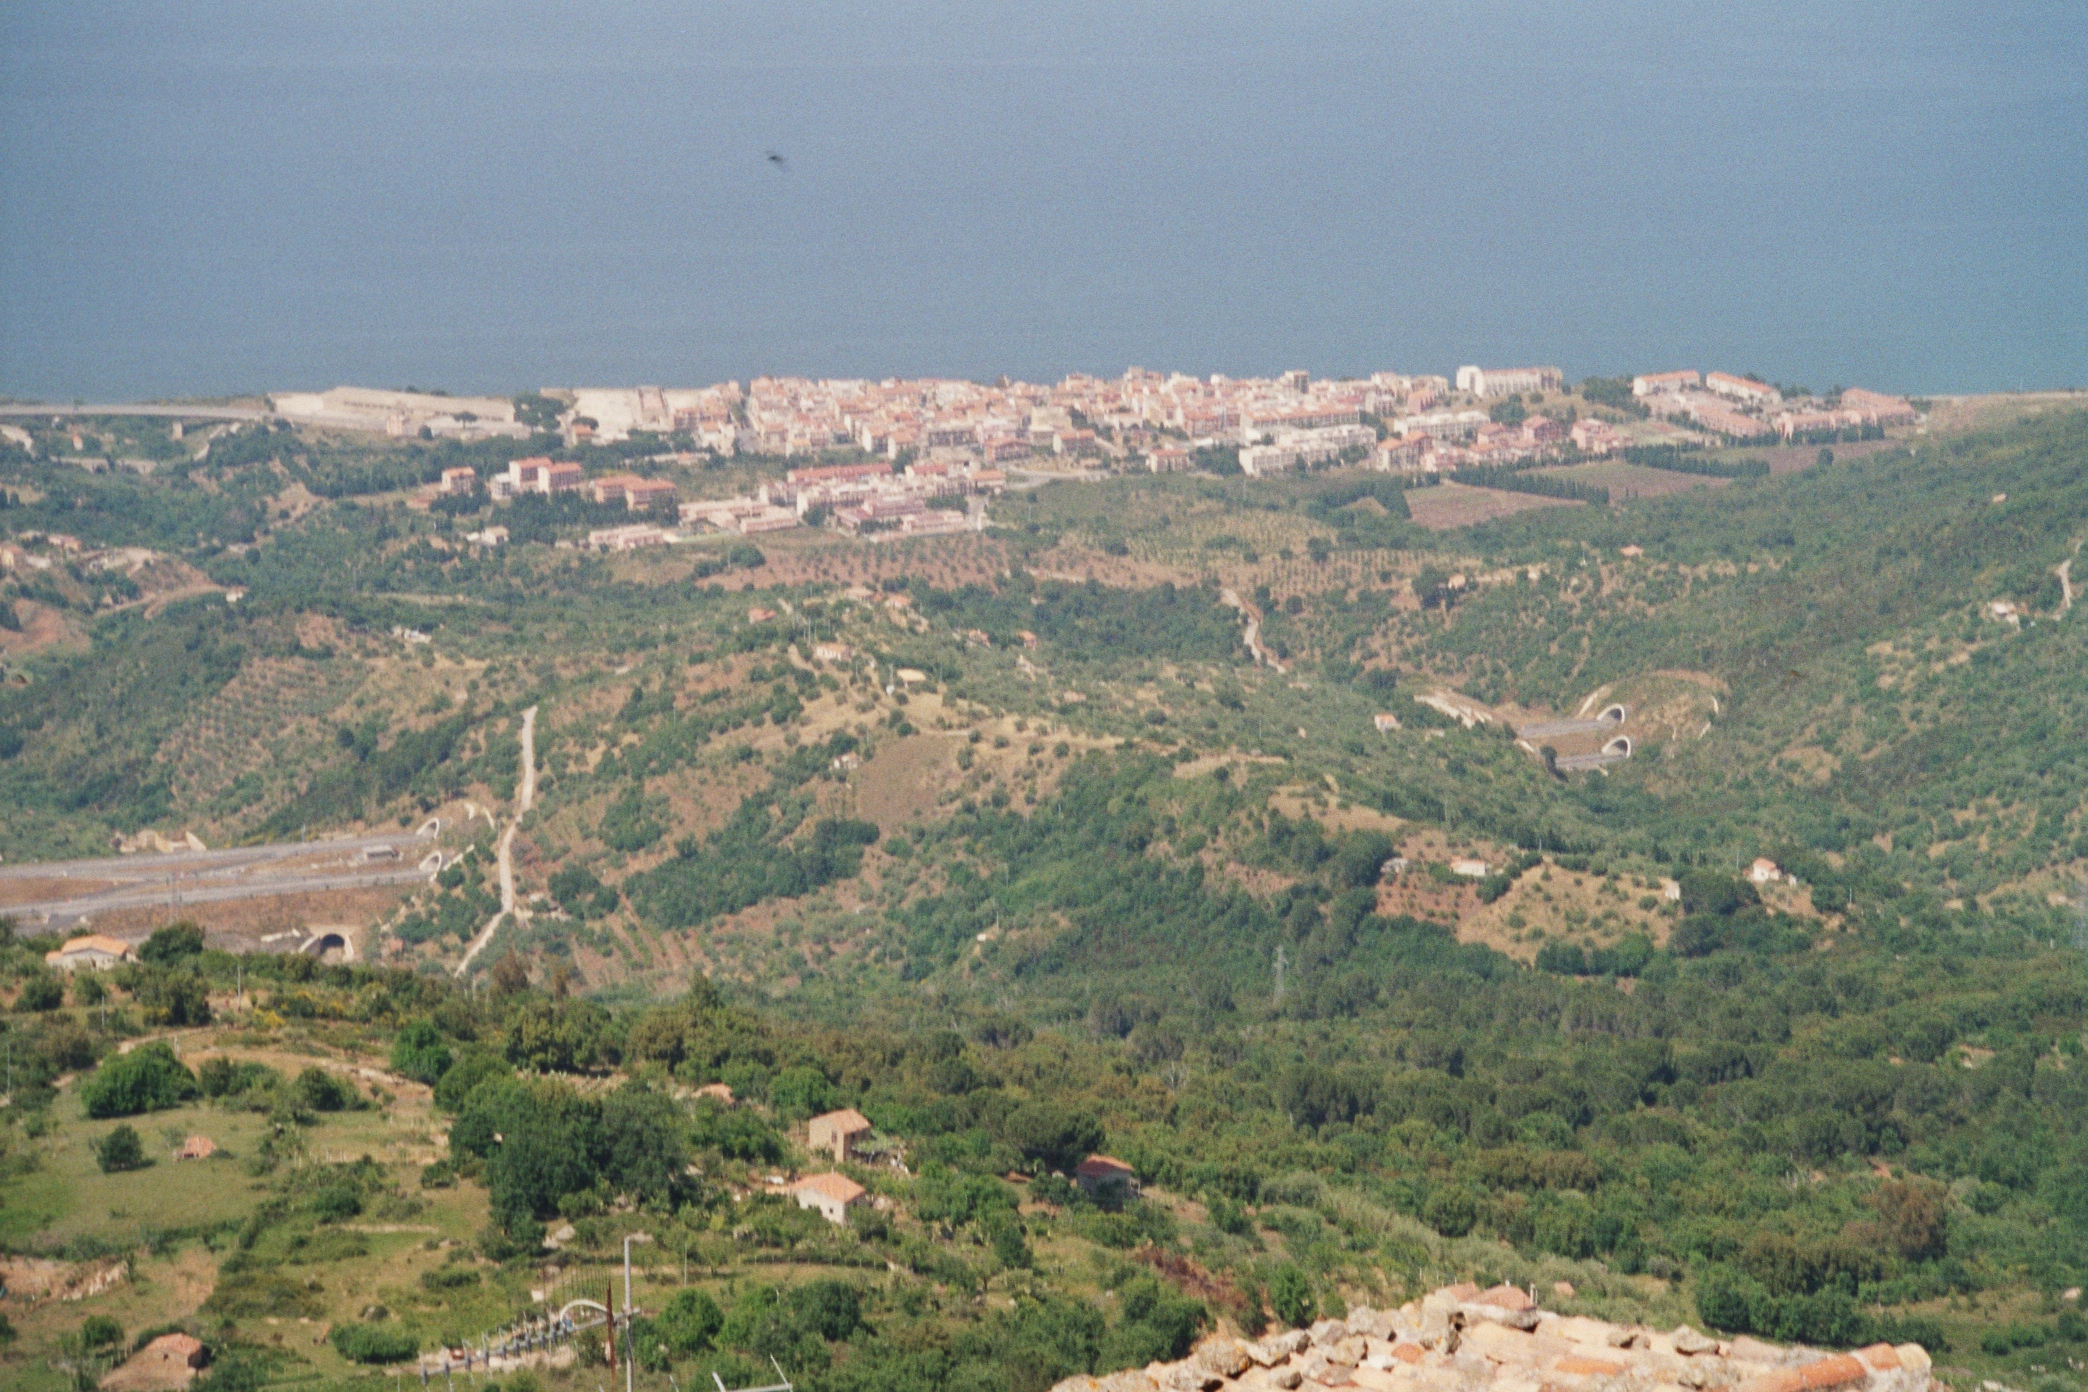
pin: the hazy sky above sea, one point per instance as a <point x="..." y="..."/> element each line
<point x="224" y="197"/>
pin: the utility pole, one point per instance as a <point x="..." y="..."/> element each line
<point x="630" y="1344"/>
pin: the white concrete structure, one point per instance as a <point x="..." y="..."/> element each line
<point x="1499" y="381"/>
<point x="1742" y="388"/>
<point x="1443" y="425"/>
<point x="1653" y="383"/>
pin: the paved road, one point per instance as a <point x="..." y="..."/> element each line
<point x="1543" y="728"/>
<point x="507" y="844"/>
<point x="223" y="413"/>
<point x="157" y="865"/>
<point x="141" y="896"/>
<point x="1574" y="763"/>
<point x="206" y="877"/>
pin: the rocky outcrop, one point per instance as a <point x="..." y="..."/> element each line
<point x="1463" y="1339"/>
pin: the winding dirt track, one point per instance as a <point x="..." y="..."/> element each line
<point x="1252" y="637"/>
<point x="507" y="844"/>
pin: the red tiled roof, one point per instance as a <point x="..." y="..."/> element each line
<point x="838" y="1187"/>
<point x="847" y="1119"/>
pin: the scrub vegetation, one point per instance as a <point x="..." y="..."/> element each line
<point x="1013" y="845"/>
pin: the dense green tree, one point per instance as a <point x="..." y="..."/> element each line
<point x="420" y="1052"/>
<point x="148" y="1078"/>
<point x="172" y="943"/>
<point x="120" y="1150"/>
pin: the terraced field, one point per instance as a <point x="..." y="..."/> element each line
<point x="272" y="706"/>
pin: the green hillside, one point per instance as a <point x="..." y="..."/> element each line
<point x="1008" y="842"/>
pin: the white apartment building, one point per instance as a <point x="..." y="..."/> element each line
<point x="1499" y="381"/>
<point x="1653" y="383"/>
<point x="1443" y="425"/>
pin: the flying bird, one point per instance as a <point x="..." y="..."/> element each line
<point x="778" y="160"/>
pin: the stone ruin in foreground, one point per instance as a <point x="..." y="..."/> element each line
<point x="1463" y="1339"/>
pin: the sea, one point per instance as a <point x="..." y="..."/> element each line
<point x="202" y="199"/>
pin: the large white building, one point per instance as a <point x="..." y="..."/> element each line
<point x="1294" y="449"/>
<point x="1443" y="425"/>
<point x="1499" y="381"/>
<point x="1653" y="383"/>
<point x="1742" y="388"/>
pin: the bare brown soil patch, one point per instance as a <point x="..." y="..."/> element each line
<point x="1209" y="763"/>
<point x="1079" y="564"/>
<point x="811" y="557"/>
<point x="1553" y="904"/>
<point x="42" y="627"/>
<point x="1325" y="805"/>
<point x="1192" y="1279"/>
<point x="1451" y="505"/>
<point x="38" y="891"/>
<point x="1978" y="412"/>
<point x="1418" y="894"/>
<point x="899" y="784"/>
<point x="1629" y="481"/>
<point x="241" y="923"/>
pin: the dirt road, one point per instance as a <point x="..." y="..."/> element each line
<point x="523" y="803"/>
<point x="1252" y="637"/>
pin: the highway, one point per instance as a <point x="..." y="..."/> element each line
<point x="220" y="413"/>
<point x="63" y="911"/>
<point x="157" y="865"/>
<point x="205" y="877"/>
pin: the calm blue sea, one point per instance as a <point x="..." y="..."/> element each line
<point x="217" y="197"/>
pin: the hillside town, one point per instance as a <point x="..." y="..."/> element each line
<point x="904" y="457"/>
<point x="1146" y="419"/>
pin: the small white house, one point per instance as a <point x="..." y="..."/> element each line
<point x="832" y="1194"/>
<point x="94" y="950"/>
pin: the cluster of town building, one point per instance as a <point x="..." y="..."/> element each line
<point x="865" y="498"/>
<point x="1742" y="408"/>
<point x="925" y="448"/>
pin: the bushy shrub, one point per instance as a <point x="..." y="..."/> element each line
<point x="172" y="943"/>
<point x="1734" y="1301"/>
<point x="148" y="1078"/>
<point x="1290" y="1296"/>
<point x="41" y="991"/>
<point x="119" y="1150"/>
<point x="1451" y="1211"/>
<point x="373" y="1343"/>
<point x="100" y="1332"/>
<point x="337" y="1202"/>
<point x="419" y="1052"/>
<point x="323" y="1092"/>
